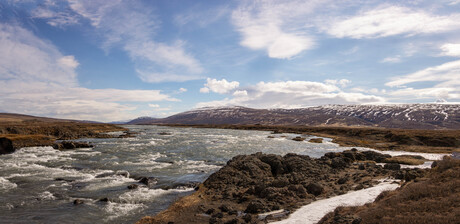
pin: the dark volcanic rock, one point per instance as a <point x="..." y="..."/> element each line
<point x="71" y="145"/>
<point x="298" y="138"/>
<point x="133" y="186"/>
<point x="266" y="182"/>
<point x="255" y="207"/>
<point x="6" y="146"/>
<point x="78" y="202"/>
<point x="149" y="181"/>
<point x="315" y="189"/>
<point x="392" y="166"/>
<point x="260" y="183"/>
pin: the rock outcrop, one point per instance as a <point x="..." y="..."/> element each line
<point x="258" y="183"/>
<point x="71" y="145"/>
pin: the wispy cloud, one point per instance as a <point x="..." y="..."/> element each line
<point x="132" y="27"/>
<point x="385" y="21"/>
<point x="444" y="83"/>
<point x="292" y="94"/>
<point x="201" y="17"/>
<point x="394" y="59"/>
<point x="36" y="78"/>
<point x="451" y="50"/>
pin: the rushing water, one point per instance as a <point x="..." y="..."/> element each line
<point x="39" y="184"/>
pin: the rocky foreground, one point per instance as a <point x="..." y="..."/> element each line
<point x="250" y="185"/>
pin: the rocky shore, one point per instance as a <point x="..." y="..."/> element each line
<point x="251" y="185"/>
<point x="26" y="131"/>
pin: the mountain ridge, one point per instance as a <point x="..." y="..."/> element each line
<point x="408" y="116"/>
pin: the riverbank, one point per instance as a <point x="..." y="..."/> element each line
<point x="18" y="131"/>
<point x="427" y="141"/>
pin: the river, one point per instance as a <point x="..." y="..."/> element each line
<point x="40" y="184"/>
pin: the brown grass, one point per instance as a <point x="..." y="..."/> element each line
<point x="404" y="159"/>
<point x="185" y="206"/>
<point x="435" y="200"/>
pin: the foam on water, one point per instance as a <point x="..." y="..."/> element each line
<point x="142" y="195"/>
<point x="116" y="210"/>
<point x="44" y="196"/>
<point x="313" y="212"/>
<point x="197" y="166"/>
<point x="6" y="185"/>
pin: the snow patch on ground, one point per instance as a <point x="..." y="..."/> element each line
<point x="313" y="212"/>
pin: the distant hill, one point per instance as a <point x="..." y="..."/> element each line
<point x="143" y="120"/>
<point x="409" y="116"/>
<point x="9" y="117"/>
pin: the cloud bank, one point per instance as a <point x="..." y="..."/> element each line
<point x="36" y="78"/>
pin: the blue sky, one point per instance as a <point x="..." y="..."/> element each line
<point x="120" y="59"/>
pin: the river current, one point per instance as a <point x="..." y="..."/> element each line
<point x="40" y="184"/>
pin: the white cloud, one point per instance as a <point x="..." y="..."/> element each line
<point x="182" y="90"/>
<point x="240" y="93"/>
<point x="387" y="21"/>
<point x="68" y="61"/>
<point x="154" y="105"/>
<point x="395" y="59"/>
<point x="219" y="86"/>
<point x="35" y="78"/>
<point x="447" y="74"/>
<point x="156" y="77"/>
<point x="53" y="15"/>
<point x="451" y="50"/>
<point x="275" y="26"/>
<point x="292" y="94"/>
<point x="132" y="27"/>
<point x="201" y="17"/>
<point x="204" y="90"/>
<point x="342" y="82"/>
<point x="444" y="82"/>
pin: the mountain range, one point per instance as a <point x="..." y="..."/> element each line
<point x="408" y="116"/>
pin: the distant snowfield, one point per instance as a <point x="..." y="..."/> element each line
<point x="312" y="213"/>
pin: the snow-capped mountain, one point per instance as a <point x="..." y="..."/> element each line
<point x="417" y="116"/>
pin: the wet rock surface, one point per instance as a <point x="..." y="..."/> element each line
<point x="6" y="146"/>
<point x="65" y="145"/>
<point x="253" y="184"/>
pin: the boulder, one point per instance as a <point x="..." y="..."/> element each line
<point x="316" y="140"/>
<point x="149" y="181"/>
<point x="133" y="186"/>
<point x="392" y="166"/>
<point x="78" y="202"/>
<point x="71" y="145"/>
<point x="255" y="207"/>
<point x="298" y="138"/>
<point x="6" y="146"/>
<point x="339" y="162"/>
<point x="315" y="189"/>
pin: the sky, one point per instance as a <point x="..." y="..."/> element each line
<point x="117" y="60"/>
